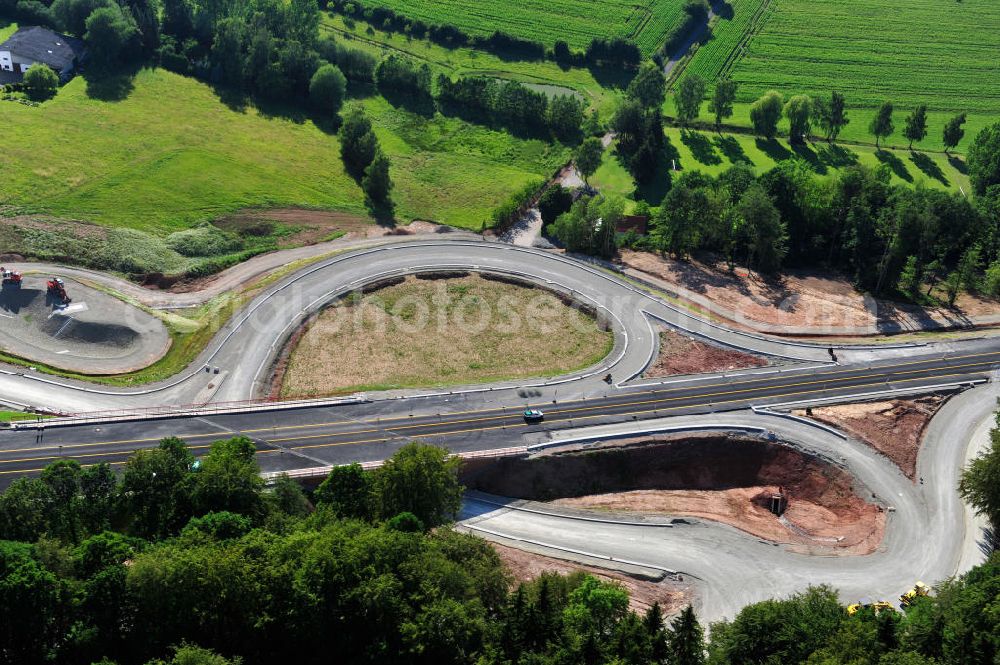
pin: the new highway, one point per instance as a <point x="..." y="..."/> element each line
<point x="371" y="430"/>
<point x="928" y="533"/>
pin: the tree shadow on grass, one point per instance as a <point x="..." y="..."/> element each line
<point x="110" y="87"/>
<point x="654" y="191"/>
<point x="895" y="163"/>
<point x="837" y="156"/>
<point x="422" y="105"/>
<point x="611" y="77"/>
<point x="958" y="164"/>
<point x="773" y="149"/>
<point x="732" y="150"/>
<point x="805" y="152"/>
<point x="671" y="157"/>
<point x="701" y="148"/>
<point x="928" y="166"/>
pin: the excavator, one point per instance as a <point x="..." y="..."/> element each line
<point x="57" y="289"/>
<point x="919" y="590"/>
<point x="11" y="278"/>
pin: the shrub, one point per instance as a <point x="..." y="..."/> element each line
<point x="205" y="240"/>
<point x="40" y="82"/>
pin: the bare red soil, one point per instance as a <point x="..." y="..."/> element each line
<point x="683" y="355"/>
<point x="895" y="427"/>
<point x="730" y="480"/>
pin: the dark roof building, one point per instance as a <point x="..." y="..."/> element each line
<point x="37" y="44"/>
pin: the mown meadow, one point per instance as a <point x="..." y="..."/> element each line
<point x="171" y="154"/>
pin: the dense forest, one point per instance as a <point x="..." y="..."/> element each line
<point x="201" y="563"/>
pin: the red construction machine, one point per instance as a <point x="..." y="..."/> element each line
<point x="57" y="289"/>
<point x="11" y="278"/>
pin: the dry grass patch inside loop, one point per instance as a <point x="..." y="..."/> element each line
<point x="434" y="332"/>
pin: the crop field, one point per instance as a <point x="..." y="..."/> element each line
<point x="646" y="22"/>
<point x="943" y="54"/>
<point x="734" y="25"/>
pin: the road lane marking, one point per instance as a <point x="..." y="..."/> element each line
<point x="515" y="425"/>
<point x="823" y="378"/>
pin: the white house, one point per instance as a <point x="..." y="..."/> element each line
<point x="36" y="44"/>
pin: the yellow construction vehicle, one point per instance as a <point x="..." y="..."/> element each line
<point x="919" y="590"/>
<point x="877" y="606"/>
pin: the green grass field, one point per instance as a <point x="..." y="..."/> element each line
<point x="6" y="29"/>
<point x="473" y="62"/>
<point x="646" y="22"/>
<point x="171" y="154"/>
<point x="713" y="153"/>
<point x="909" y="52"/>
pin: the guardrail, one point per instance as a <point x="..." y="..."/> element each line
<point x="657" y="429"/>
<point x="177" y="411"/>
<point x="321" y="471"/>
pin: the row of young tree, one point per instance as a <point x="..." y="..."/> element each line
<point x="508" y="104"/>
<point x="205" y="562"/>
<point x="803" y="113"/>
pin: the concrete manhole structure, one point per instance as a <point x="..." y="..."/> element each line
<point x="94" y="334"/>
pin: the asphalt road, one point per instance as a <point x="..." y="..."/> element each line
<point x="246" y="346"/>
<point x="927" y="535"/>
<point x="930" y="535"/>
<point x="471" y="421"/>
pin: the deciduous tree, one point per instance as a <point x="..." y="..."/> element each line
<point x="327" y="89"/>
<point x="648" y="87"/>
<point x="588" y="157"/>
<point x="688" y="99"/>
<point x="881" y="125"/>
<point x="347" y="491"/>
<point x="40" y="83"/>
<point x="765" y="114"/>
<point x="721" y="104"/>
<point x="798" y="110"/>
<point x="358" y="144"/>
<point x="953" y="132"/>
<point x="916" y="125"/>
<point x="831" y="114"/>
<point x="422" y="480"/>
<point x="984" y="159"/>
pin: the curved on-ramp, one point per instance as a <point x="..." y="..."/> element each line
<point x="930" y="534"/>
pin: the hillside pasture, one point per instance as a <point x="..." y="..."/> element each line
<point x="646" y="22"/>
<point x="171" y="154"/>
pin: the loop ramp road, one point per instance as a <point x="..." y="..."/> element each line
<point x="246" y="347"/>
